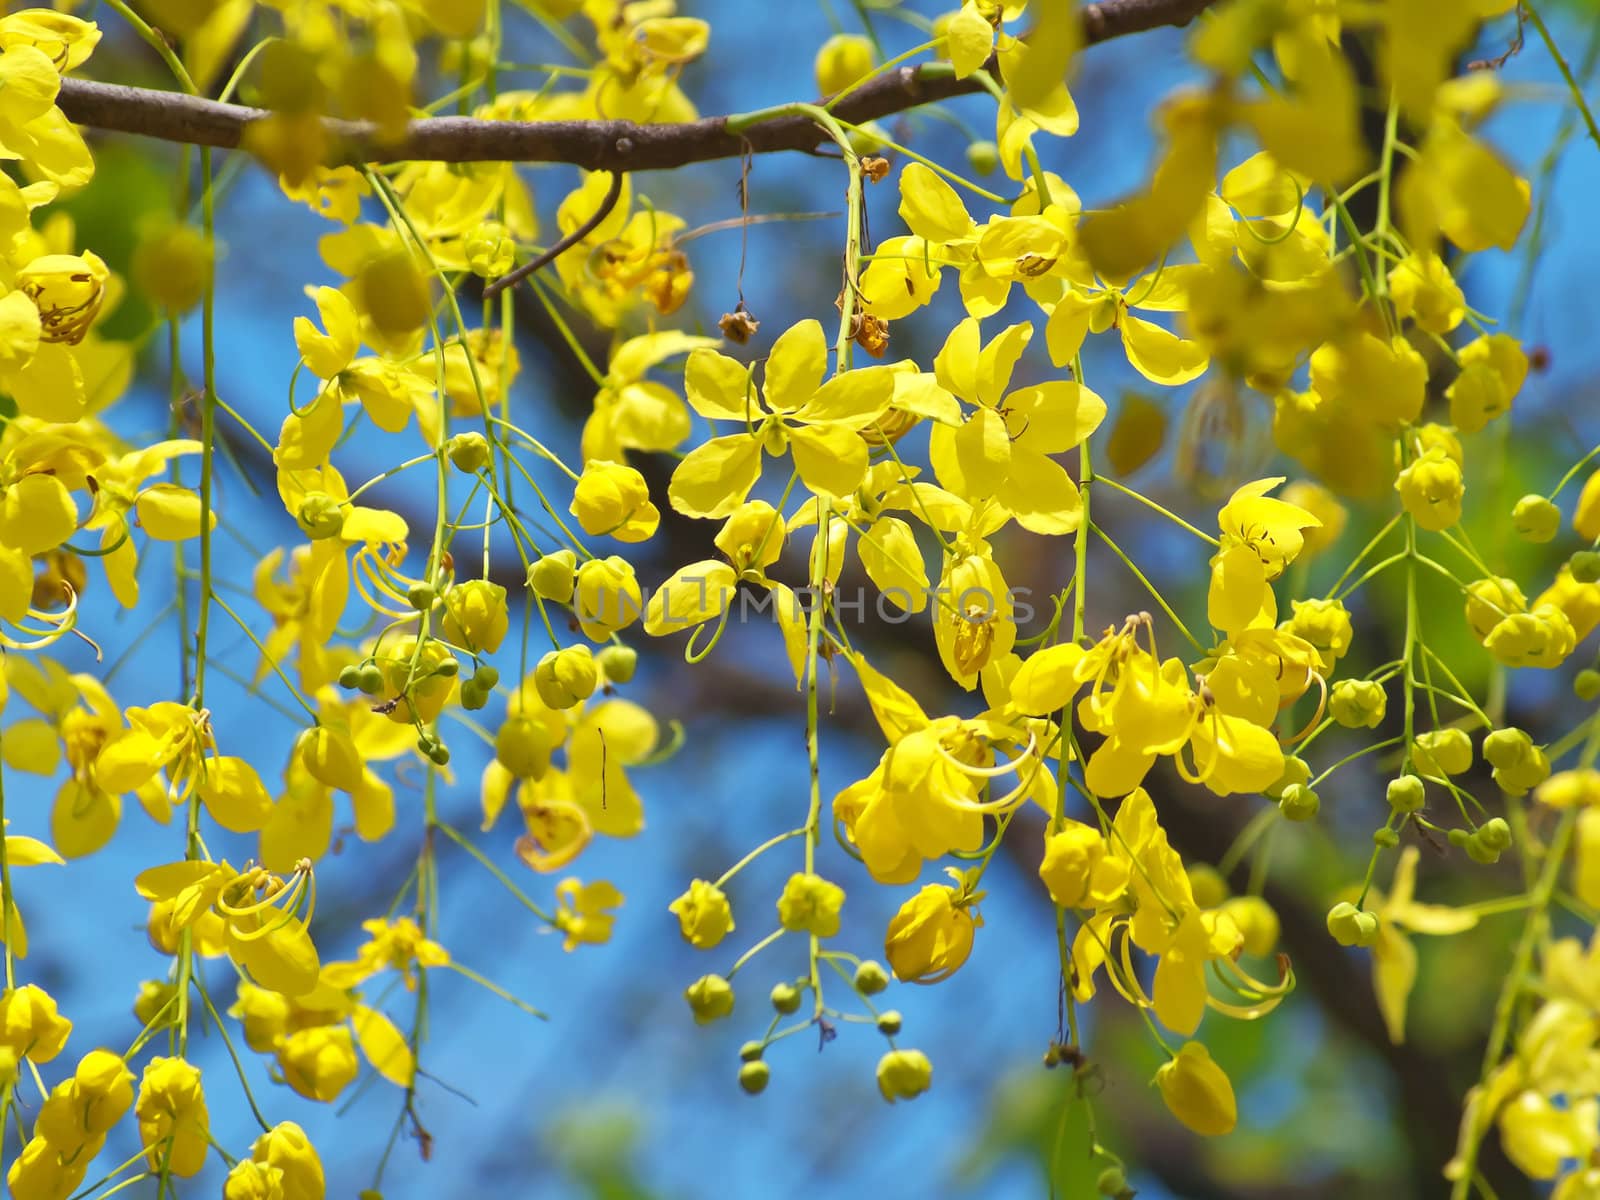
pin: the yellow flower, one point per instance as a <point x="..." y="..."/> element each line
<point x="285" y="1149"/>
<point x="1079" y="870"/>
<point x="1394" y="959"/>
<point x="613" y="499"/>
<point x="30" y="1025"/>
<point x="583" y="914"/>
<point x="710" y="998"/>
<point x="393" y="945"/>
<point x="810" y="904"/>
<point x="704" y="915"/>
<point x="173" y="1123"/>
<point x="475" y="615"/>
<point x="1198" y="1091"/>
<point x="632" y="412"/>
<point x="565" y="678"/>
<point x="819" y="423"/>
<point x="931" y="936"/>
<point x="1423" y="288"/>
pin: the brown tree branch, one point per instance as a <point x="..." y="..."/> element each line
<point x="595" y="145"/>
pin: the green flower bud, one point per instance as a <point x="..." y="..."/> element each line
<point x="552" y="577"/>
<point x="370" y="679"/>
<point x="1406" y="794"/>
<point x="350" y="677"/>
<point x="563" y="678"/>
<point x="904" y="1075"/>
<point x="486" y="676"/>
<point x="490" y="252"/>
<point x="1458" y="837"/>
<point x="1112" y="1182"/>
<point x="523" y="747"/>
<point x="1480" y="852"/>
<point x="871" y="978"/>
<point x="421" y="596"/>
<point x="866" y="139"/>
<point x="1295" y="770"/>
<point x="1299" y="802"/>
<point x="889" y="1022"/>
<point x="1586" y="684"/>
<point x="440" y="754"/>
<point x="753" y="1077"/>
<point x="983" y="157"/>
<point x="1535" y="519"/>
<point x="320" y="516"/>
<point x="618" y="662"/>
<point x="751" y="1051"/>
<point x="785" y="998"/>
<point x="1442" y="752"/>
<point x="1209" y="887"/>
<point x="1385" y="838"/>
<point x="710" y="998"/>
<point x="1495" y="833"/>
<point x="469" y="452"/>
<point x="1350" y="926"/>
<point x="1585" y="566"/>
<point x="448" y="667"/>
<point x="1358" y="703"/>
<point x="472" y="696"/>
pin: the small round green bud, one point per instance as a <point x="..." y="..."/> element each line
<point x="1209" y="887"/>
<point x="785" y="998"/>
<point x="1586" y="685"/>
<point x="751" y="1051"/>
<point x="421" y="596"/>
<point x="473" y="697"/>
<point x="1295" y="770"/>
<point x="1299" y="802"/>
<point x="320" y="516"/>
<point x="1386" y="838"/>
<point x="350" y="677"/>
<point x="440" y="754"/>
<point x="871" y="978"/>
<point x="1112" y="1182"/>
<point x="1406" y="794"/>
<point x="1535" y="519"/>
<point x="618" y="662"/>
<point x="1350" y="926"/>
<point x="370" y="679"/>
<point x="469" y="452"/>
<point x="486" y="676"/>
<point x="1480" y="852"/>
<point x="1495" y="833"/>
<point x="1585" y="565"/>
<point x="889" y="1022"/>
<point x="1358" y="703"/>
<point x="983" y="157"/>
<point x="448" y="667"/>
<point x="1458" y="837"/>
<point x="523" y="747"/>
<point x="753" y="1077"/>
<point x="866" y="139"/>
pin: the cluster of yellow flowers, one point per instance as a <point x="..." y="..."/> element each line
<point x="1254" y="279"/>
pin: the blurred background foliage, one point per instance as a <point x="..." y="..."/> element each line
<point x="620" y="1096"/>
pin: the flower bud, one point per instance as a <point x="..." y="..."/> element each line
<point x="1350" y="926"/>
<point x="889" y="1022"/>
<point x="1299" y="802"/>
<point x="320" y="516"/>
<point x="469" y="452"/>
<point x="1385" y="838"/>
<point x="1490" y="601"/>
<point x="785" y="998"/>
<point x="1586" y="684"/>
<point x="1495" y="834"/>
<point x="1295" y="770"/>
<point x="612" y="498"/>
<point x="172" y="266"/>
<point x="1358" y="703"/>
<point x="1535" y="519"/>
<point x="1077" y="870"/>
<point x="1442" y="752"/>
<point x="810" y="904"/>
<point x="564" y="678"/>
<point x="983" y="157"/>
<point x="1111" y="1182"/>
<point x="618" y="663"/>
<point x="551" y="577"/>
<point x="1257" y="921"/>
<point x="710" y="998"/>
<point x="753" y="1077"/>
<point x="523" y="747"/>
<point x="1406" y="794"/>
<point x="843" y="60"/>
<point x="421" y="596"/>
<point x="1198" y="1092"/>
<point x="929" y="939"/>
<point x="1585" y="566"/>
<point x="1209" y="887"/>
<point x="704" y="916"/>
<point x="871" y="978"/>
<point x="904" y="1075"/>
<point x="31" y="1024"/>
<point x="286" y="1147"/>
<point x="1326" y="625"/>
<point x="606" y="597"/>
<point x="1506" y="747"/>
<point x="475" y="615"/>
<point x="1431" y="490"/>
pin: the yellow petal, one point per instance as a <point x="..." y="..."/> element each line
<point x="383" y="1046"/>
<point x="170" y="513"/>
<point x="234" y="795"/>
